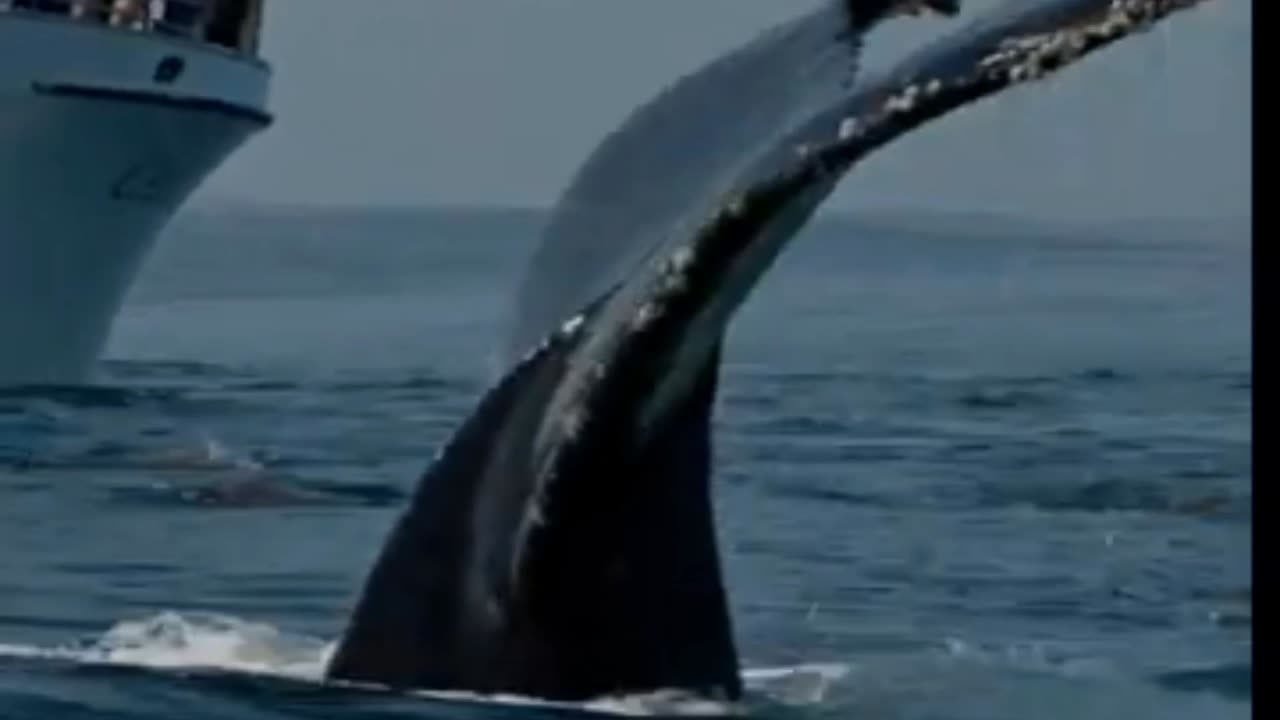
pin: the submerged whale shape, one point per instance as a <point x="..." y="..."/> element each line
<point x="562" y="545"/>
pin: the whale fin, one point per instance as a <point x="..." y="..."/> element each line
<point x="418" y="606"/>
<point x="668" y="166"/>
<point x="635" y="541"/>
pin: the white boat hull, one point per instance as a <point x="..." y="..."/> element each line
<point x="95" y="158"/>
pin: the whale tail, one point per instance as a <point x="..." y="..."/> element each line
<point x="563" y="543"/>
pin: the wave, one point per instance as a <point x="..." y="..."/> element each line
<point x="200" y="643"/>
<point x="222" y="654"/>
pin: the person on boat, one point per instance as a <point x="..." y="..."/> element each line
<point x="48" y="6"/>
<point x="226" y="21"/>
<point x="183" y="17"/>
<point x="129" y="13"/>
<point x="98" y="10"/>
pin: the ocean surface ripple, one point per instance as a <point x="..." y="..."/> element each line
<point x="969" y="468"/>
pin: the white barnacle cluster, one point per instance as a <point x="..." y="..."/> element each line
<point x="565" y="332"/>
<point x="1116" y="23"/>
<point x="572" y="326"/>
<point x="1009" y="52"/>
<point x="672" y="281"/>
<point x="682" y="259"/>
<point x="536" y="515"/>
<point x="533" y="353"/>
<point x="1023" y="58"/>
<point x="735" y="208"/>
<point x="667" y="277"/>
<point x="850" y="127"/>
<point x="1142" y="14"/>
<point x="596" y="374"/>
<point x="1026" y="58"/>
<point x="647" y="313"/>
<point x="905" y="100"/>
<point x="1028" y="70"/>
<point x="1125" y="17"/>
<point x="572" y="420"/>
<point x="675" y="272"/>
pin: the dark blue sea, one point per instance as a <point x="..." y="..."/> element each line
<point x="970" y="469"/>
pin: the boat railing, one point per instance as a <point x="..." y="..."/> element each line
<point x="231" y="24"/>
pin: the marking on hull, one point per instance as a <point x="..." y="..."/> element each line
<point x="144" y="183"/>
<point x="159" y="99"/>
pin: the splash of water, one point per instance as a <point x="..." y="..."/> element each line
<point x="211" y="642"/>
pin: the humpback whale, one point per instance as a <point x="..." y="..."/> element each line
<point x="562" y="544"/>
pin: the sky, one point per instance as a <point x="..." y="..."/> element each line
<point x="497" y="102"/>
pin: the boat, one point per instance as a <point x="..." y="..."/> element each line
<point x="112" y="113"/>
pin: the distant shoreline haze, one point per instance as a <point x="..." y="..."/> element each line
<point x="976" y="221"/>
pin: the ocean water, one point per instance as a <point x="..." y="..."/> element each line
<point x="968" y="468"/>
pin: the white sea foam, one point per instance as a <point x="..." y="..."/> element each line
<point x="970" y="680"/>
<point x="171" y="641"/>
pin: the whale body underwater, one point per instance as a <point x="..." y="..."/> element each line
<point x="562" y="544"/>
